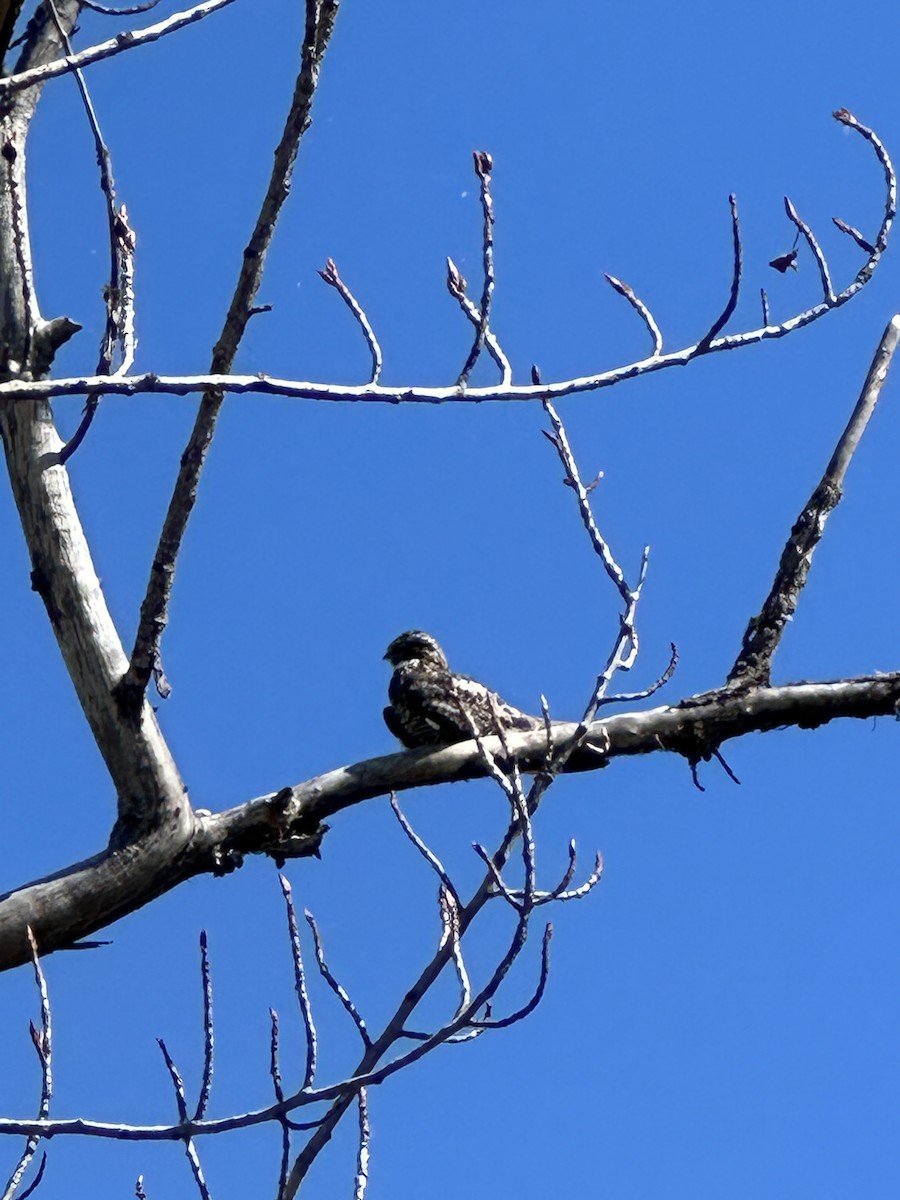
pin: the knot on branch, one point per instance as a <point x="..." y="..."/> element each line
<point x="290" y="834"/>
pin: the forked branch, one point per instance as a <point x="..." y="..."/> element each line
<point x="713" y="341"/>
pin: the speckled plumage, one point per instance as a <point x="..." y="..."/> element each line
<point x="429" y="702"/>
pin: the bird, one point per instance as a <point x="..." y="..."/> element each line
<point x="430" y="705"/>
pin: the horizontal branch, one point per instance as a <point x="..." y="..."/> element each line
<point x="269" y="385"/>
<point x="709" y="344"/>
<point x="90" y="895"/>
<point x="692" y="728"/>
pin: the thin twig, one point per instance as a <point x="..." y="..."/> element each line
<point x="450" y="932"/>
<point x="456" y="286"/>
<point x="520" y="1014"/>
<point x="119" y="332"/>
<point x="430" y="857"/>
<point x="275" y="1072"/>
<point x="484" y="164"/>
<point x="641" y="309"/>
<point x="765" y="305"/>
<point x="522" y="810"/>
<point x="569" y="872"/>
<point x="36" y="1182"/>
<point x="333" y="279"/>
<point x="626" y="647"/>
<point x="300" y="986"/>
<point x="43" y="1043"/>
<point x="763" y="634"/>
<point x="120" y="289"/>
<point x="367" y="1072"/>
<point x="559" y="439"/>
<point x="208" y="1035"/>
<point x="851" y="231"/>
<point x="365" y="1139"/>
<point x="338" y="990"/>
<point x="155" y="607"/>
<point x="189" y="1148"/>
<point x="660" y="681"/>
<point x="582" y="890"/>
<point x="508" y="893"/>
<point x="719" y="324"/>
<point x="120" y="329"/>
<point x="718" y="756"/>
<point x="827" y="289"/>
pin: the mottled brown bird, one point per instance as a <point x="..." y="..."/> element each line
<point x="429" y="703"/>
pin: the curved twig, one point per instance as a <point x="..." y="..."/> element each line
<point x="641" y="309"/>
<point x="332" y="277"/>
<point x="719" y="324"/>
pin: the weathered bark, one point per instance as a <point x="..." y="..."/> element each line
<point x="149" y="788"/>
<point x="89" y="895"/>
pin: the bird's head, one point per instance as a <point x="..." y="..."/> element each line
<point x="415" y="645"/>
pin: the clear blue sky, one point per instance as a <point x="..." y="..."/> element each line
<point x="722" y="1015"/>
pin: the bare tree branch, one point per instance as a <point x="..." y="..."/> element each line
<point x="89" y="895"/>
<point x="275" y="1071"/>
<point x="559" y="439"/>
<point x="824" y="275"/>
<point x="339" y="991"/>
<point x="43" y="1044"/>
<point x="527" y="1009"/>
<point x="123" y="41"/>
<point x="266" y="385"/>
<point x="484" y="164"/>
<point x="456" y="286"/>
<point x="721" y="321"/>
<point x="120" y="301"/>
<point x="147" y="782"/>
<point x="189" y="1148"/>
<point x="300" y="987"/>
<point x="855" y="234"/>
<point x="763" y="634"/>
<point x="209" y="1040"/>
<point x="333" y="279"/>
<point x="154" y="610"/>
<point x="362" y="1156"/>
<point x="641" y="309"/>
<point x="430" y="857"/>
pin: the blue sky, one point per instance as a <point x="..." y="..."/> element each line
<point x="722" y="1012"/>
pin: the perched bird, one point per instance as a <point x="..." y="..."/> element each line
<point x="430" y="703"/>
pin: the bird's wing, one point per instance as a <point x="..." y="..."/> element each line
<point x="486" y="708"/>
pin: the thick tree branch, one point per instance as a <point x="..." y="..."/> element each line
<point x="147" y="782"/>
<point x="90" y="895"/>
<point x="701" y="721"/>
